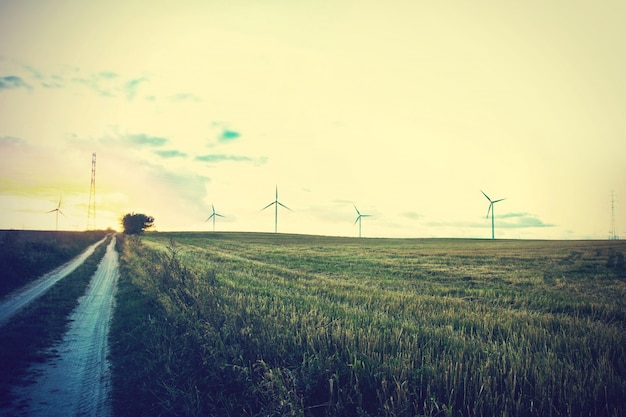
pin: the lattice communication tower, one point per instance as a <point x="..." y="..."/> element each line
<point x="612" y="233"/>
<point x="91" y="210"/>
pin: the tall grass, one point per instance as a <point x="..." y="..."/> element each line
<point x="305" y="326"/>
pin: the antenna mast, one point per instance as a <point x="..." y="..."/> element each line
<point x="91" y="210"/>
<point x="612" y="233"/>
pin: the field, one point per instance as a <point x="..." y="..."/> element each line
<point x="285" y="325"/>
<point x="27" y="254"/>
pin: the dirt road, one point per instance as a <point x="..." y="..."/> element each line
<point x="20" y="298"/>
<point x="76" y="381"/>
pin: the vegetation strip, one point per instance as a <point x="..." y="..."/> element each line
<point x="331" y="327"/>
<point x="41" y="324"/>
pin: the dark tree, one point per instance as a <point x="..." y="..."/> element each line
<point x="136" y="223"/>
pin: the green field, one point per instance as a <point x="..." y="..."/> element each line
<point x="287" y="325"/>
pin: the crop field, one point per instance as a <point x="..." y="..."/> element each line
<point x="284" y="325"/>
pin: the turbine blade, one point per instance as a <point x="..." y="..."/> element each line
<point x="366" y="215"/>
<point x="488" y="211"/>
<point x="52" y="211"/>
<point x="357" y="219"/>
<point x="284" y="206"/>
<point x="269" y="205"/>
<point x="219" y="215"/>
<point x="485" y="195"/>
<point x="357" y="210"/>
<point x="502" y="199"/>
<point x="61" y="212"/>
<point x="209" y="218"/>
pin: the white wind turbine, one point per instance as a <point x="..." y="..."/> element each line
<point x="58" y="210"/>
<point x="359" y="217"/>
<point x="276" y="203"/>
<point x="213" y="216"/>
<point x="491" y="209"/>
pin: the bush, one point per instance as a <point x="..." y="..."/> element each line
<point x="136" y="223"/>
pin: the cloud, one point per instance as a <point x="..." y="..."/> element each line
<point x="171" y="154"/>
<point x="131" y="87"/>
<point x="521" y="220"/>
<point x="229" y="135"/>
<point x="412" y="215"/>
<point x="12" y="81"/>
<point x="108" y="74"/>
<point x="47" y="81"/>
<point x="232" y="158"/>
<point x="111" y="84"/>
<point x="185" y="97"/>
<point x="11" y="141"/>
<point x="225" y="133"/>
<point x="143" y="139"/>
<point x="506" y="221"/>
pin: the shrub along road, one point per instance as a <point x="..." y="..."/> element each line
<point x="75" y="379"/>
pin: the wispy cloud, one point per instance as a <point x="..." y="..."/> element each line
<point x="412" y="215"/>
<point x="111" y="84"/>
<point x="11" y="141"/>
<point x="130" y="87"/>
<point x="505" y="221"/>
<point x="521" y="220"/>
<point x="47" y="81"/>
<point x="143" y="139"/>
<point x="232" y="158"/>
<point x="9" y="82"/>
<point x="180" y="97"/>
<point x="171" y="154"/>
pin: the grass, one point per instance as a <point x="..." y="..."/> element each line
<point x="254" y="324"/>
<point x="40" y="324"/>
<point x="26" y="255"/>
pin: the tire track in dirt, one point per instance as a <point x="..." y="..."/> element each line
<point x="21" y="297"/>
<point x="76" y="381"/>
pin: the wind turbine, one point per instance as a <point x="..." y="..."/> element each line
<point x="213" y="215"/>
<point x="276" y="203"/>
<point x="58" y="210"/>
<point x="491" y="209"/>
<point x="359" y="217"/>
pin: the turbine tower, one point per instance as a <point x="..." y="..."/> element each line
<point x="213" y="216"/>
<point x="491" y="209"/>
<point x="359" y="217"/>
<point x="91" y="209"/>
<point x="276" y="203"/>
<point x="58" y="210"/>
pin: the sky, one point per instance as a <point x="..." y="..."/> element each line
<point x="406" y="109"/>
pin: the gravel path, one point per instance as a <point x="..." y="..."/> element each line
<point x="76" y="381"/>
<point x="21" y="297"/>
